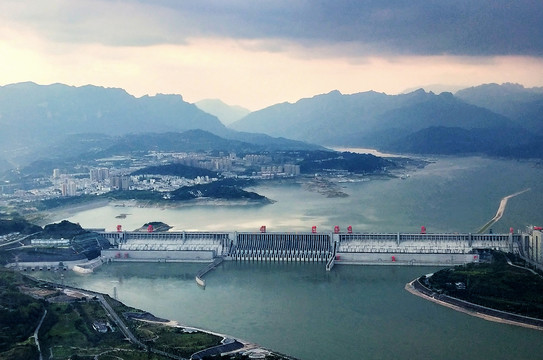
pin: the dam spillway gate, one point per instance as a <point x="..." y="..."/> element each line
<point x="323" y="247"/>
<point x="281" y="247"/>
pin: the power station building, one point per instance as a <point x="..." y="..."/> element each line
<point x="533" y="246"/>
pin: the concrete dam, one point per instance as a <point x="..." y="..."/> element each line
<point x="323" y="247"/>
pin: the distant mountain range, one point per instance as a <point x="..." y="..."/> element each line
<point x="227" y="114"/>
<point x="417" y="122"/>
<point x="71" y="151"/>
<point x="28" y="109"/>
<point x="60" y="121"/>
<point x="33" y="115"/>
<point x="523" y="106"/>
<point x="44" y="120"/>
<point x="194" y="141"/>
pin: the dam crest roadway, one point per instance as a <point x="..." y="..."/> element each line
<point x="325" y="247"/>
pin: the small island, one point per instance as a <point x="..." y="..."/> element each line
<point x="154" y="226"/>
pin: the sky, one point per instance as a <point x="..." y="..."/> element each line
<point x="262" y="52"/>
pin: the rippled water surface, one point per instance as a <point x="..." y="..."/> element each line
<point x="353" y="312"/>
<point x="451" y="195"/>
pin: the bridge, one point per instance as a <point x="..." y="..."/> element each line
<point x="324" y="247"/>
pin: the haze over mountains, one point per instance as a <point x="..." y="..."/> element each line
<point x="417" y="122"/>
<point x="524" y="106"/>
<point x="337" y="119"/>
<point x="227" y="114"/>
<point x="34" y="119"/>
<point x="53" y="120"/>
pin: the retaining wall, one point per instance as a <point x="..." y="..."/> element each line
<point x="405" y="259"/>
<point x="157" y="255"/>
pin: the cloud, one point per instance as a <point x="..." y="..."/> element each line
<point x="367" y="28"/>
<point x="261" y="52"/>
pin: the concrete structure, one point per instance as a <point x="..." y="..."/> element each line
<point x="281" y="246"/>
<point x="69" y="188"/>
<point x="99" y="174"/>
<point x="328" y="248"/>
<point x="166" y="246"/>
<point x="120" y="182"/>
<point x="531" y="247"/>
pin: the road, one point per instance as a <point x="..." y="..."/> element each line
<point x="17" y="240"/>
<point x="36" y="333"/>
<point x="126" y="331"/>
<point x="120" y="323"/>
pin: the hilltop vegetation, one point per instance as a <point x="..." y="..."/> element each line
<point x="19" y="225"/>
<point x="495" y="285"/>
<point x="318" y="161"/>
<point x="227" y="189"/>
<point x="19" y="316"/>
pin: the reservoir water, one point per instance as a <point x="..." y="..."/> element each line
<point x="352" y="312"/>
<point x="449" y="195"/>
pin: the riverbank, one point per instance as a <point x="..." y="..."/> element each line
<point x="245" y="348"/>
<point x="169" y="336"/>
<point x="49" y="216"/>
<point x="416" y="288"/>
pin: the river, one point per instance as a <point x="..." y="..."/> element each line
<point x="352" y="312"/>
<point x="449" y="195"/>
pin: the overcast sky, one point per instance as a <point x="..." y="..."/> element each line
<point x="261" y="52"/>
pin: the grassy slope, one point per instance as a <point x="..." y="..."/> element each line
<point x="67" y="330"/>
<point x="496" y="285"/>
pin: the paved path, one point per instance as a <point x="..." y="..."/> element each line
<point x="36" y="333"/>
<point x="17" y="240"/>
<point x="126" y="331"/>
<point x="521" y="267"/>
<point x="416" y="288"/>
<point x="501" y="210"/>
<point x="120" y="323"/>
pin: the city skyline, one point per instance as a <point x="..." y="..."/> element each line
<point x="259" y="54"/>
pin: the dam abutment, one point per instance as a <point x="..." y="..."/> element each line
<point x="326" y="247"/>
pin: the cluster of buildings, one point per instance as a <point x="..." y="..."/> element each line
<point x="272" y="171"/>
<point x="260" y="166"/>
<point x="114" y="174"/>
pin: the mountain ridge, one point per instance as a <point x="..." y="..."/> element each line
<point x="227" y="114"/>
<point x="366" y="113"/>
<point x="36" y="118"/>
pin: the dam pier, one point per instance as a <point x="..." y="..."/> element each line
<point x="328" y="248"/>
